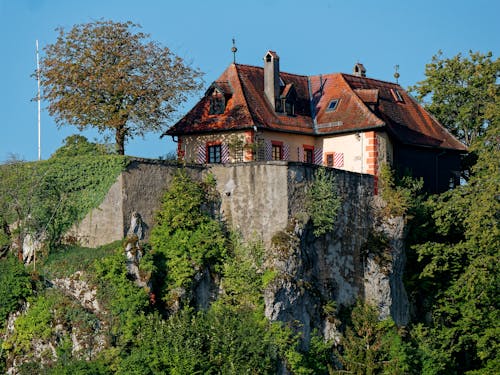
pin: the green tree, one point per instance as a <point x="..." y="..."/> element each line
<point x="323" y="202"/>
<point x="372" y="346"/>
<point x="108" y="76"/>
<point x="185" y="235"/>
<point x="78" y="145"/>
<point x="458" y="91"/>
<point x="460" y="270"/>
<point x="15" y="286"/>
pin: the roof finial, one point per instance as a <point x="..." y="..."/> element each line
<point x="234" y="50"/>
<point x="396" y="74"/>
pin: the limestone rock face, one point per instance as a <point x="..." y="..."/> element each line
<point x="315" y="276"/>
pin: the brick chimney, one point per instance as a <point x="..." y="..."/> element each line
<point x="359" y="70"/>
<point x="272" y="77"/>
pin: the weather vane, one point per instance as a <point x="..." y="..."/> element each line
<point x="234" y="50"/>
<point x="396" y="74"/>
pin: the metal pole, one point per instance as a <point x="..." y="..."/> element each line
<point x="38" y="100"/>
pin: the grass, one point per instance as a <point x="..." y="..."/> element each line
<point x="68" y="260"/>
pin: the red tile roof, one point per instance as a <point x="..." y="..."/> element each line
<point x="364" y="103"/>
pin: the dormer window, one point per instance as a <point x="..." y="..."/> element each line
<point x="332" y="106"/>
<point x="288" y="97"/>
<point x="217" y="103"/>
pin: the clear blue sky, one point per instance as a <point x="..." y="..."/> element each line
<point x="311" y="37"/>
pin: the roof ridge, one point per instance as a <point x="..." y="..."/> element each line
<point x="262" y="68"/>
<point x="243" y="93"/>
<point x="372" y="79"/>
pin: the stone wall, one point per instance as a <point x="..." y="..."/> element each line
<point x="138" y="189"/>
<point x="262" y="198"/>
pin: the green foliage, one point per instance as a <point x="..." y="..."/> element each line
<point x="49" y="310"/>
<point x="459" y="275"/>
<point x="15" y="286"/>
<point x="185" y="235"/>
<point x="323" y="202"/>
<point x="243" y="278"/>
<point x="106" y="75"/>
<point x="121" y="297"/>
<point x="372" y="346"/>
<point x="401" y="196"/>
<point x="66" y="260"/>
<point x="463" y="92"/>
<point x="78" y="145"/>
<point x="80" y="367"/>
<point x="50" y="196"/>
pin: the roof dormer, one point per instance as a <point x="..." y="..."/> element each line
<point x="218" y="93"/>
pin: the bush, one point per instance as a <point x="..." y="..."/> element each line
<point x="15" y="286"/>
<point x="323" y="202"/>
<point x="185" y="236"/>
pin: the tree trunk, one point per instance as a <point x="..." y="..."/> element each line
<point x="120" y="140"/>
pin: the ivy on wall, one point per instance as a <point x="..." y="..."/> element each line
<point x="49" y="196"/>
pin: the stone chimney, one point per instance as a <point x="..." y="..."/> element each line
<point x="272" y="77"/>
<point x="359" y="70"/>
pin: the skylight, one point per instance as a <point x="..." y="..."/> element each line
<point x="397" y="95"/>
<point x="333" y="105"/>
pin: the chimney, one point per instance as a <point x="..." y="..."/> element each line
<point x="272" y="77"/>
<point x="359" y="70"/>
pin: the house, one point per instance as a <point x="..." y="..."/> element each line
<point x="346" y="121"/>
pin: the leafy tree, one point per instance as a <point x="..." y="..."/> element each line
<point x="15" y="286"/>
<point x="460" y="92"/>
<point x="460" y="270"/>
<point x="323" y="202"/>
<point x="106" y="75"/>
<point x="372" y="346"/>
<point x="78" y="145"/>
<point x="186" y="236"/>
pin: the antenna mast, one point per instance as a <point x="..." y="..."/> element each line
<point x="38" y="100"/>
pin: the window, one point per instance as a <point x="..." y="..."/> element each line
<point x="308" y="154"/>
<point x="217" y="103"/>
<point x="334" y="159"/>
<point x="277" y="151"/>
<point x="333" y="105"/>
<point x="396" y="95"/>
<point x="329" y="160"/>
<point x="214" y="154"/>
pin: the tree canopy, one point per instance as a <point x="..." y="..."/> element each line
<point x="461" y="92"/>
<point x="109" y="76"/>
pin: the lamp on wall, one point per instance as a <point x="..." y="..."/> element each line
<point x="358" y="136"/>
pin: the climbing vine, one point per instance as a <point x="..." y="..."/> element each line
<point x="49" y="196"/>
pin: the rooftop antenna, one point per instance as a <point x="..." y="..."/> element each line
<point x="396" y="74"/>
<point x="38" y="100"/>
<point x="234" y="50"/>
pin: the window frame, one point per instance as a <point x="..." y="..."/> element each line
<point x="308" y="149"/>
<point x="337" y="102"/>
<point x="332" y="155"/>
<point x="214" y="146"/>
<point x="276" y="145"/>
